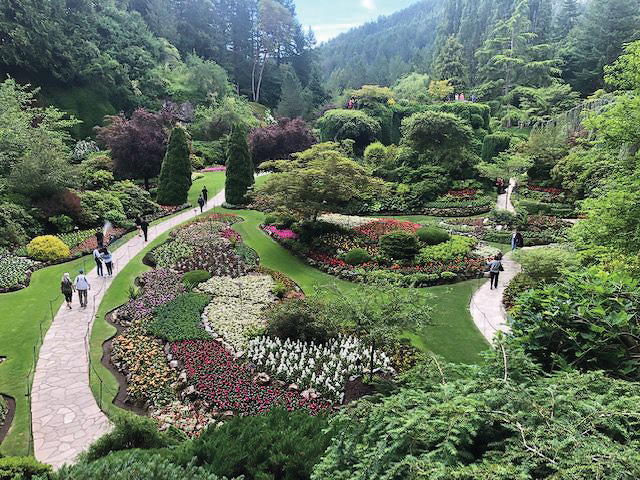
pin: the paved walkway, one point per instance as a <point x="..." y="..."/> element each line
<point x="486" y="307"/>
<point x="66" y="418"/>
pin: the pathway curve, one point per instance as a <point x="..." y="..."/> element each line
<point x="65" y="416"/>
<point x="486" y="306"/>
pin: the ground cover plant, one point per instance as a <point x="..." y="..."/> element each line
<point x="15" y="271"/>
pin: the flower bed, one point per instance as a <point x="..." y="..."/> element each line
<point x="218" y="168"/>
<point x="285" y="234"/>
<point x="180" y="319"/>
<point x="325" y="368"/>
<point x="235" y="312"/>
<point x="15" y="272"/>
<point x="228" y="385"/>
<point x="169" y="253"/>
<point x="345" y="221"/>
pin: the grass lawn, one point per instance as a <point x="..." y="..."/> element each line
<point x="214" y="182"/>
<point x="25" y="317"/>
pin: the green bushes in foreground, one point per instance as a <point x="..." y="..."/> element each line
<point x="22" y="468"/>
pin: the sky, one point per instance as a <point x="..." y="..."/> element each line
<point x="329" y="18"/>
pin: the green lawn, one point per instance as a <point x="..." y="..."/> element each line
<point x="25" y="316"/>
<point x="214" y="182"/>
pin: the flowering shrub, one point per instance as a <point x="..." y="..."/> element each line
<point x="483" y="250"/>
<point x="345" y="221"/>
<point x="185" y="417"/>
<point x="325" y="368"/>
<point x="217" y="259"/>
<point x="228" y="386"/>
<point x="456" y="248"/>
<point x="282" y="234"/>
<point x="465" y="192"/>
<point x="374" y="230"/>
<point x="142" y="359"/>
<point x="235" y="313"/>
<point x="550" y="190"/>
<point x="73" y="239"/>
<point x="48" y="248"/>
<point x="14" y="270"/>
<point x="218" y="168"/>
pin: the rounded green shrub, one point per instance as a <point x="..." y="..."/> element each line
<point x="48" y="248"/>
<point x="399" y="245"/>
<point x="357" y="256"/>
<point x="195" y="277"/>
<point x="432" y="235"/>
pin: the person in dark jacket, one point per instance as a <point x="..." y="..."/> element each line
<point x="205" y="194"/>
<point x="67" y="288"/>
<point x="201" y="203"/>
<point x="517" y="240"/>
<point x="100" y="238"/>
<point x="96" y="257"/>
<point x="495" y="267"/>
<point x="144" y="226"/>
<point x="106" y="257"/>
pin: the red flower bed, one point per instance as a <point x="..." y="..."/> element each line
<point x="467" y="192"/>
<point x="327" y="260"/>
<point x="228" y="385"/>
<point x="378" y="228"/>
<point x="90" y="243"/>
<point x="550" y="190"/>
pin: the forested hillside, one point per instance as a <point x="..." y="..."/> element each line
<point x="531" y="43"/>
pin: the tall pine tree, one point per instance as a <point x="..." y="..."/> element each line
<point x="567" y="18"/>
<point x="175" y="174"/>
<point x="450" y="64"/>
<point x="239" y="167"/>
<point x="293" y="102"/>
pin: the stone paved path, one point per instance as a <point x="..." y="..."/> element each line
<point x="66" y="417"/>
<point x="486" y="307"/>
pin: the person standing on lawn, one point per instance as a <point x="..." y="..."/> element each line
<point x="201" y="202"/>
<point x="81" y="284"/>
<point x="67" y="288"/>
<point x="108" y="260"/>
<point x="96" y="257"/>
<point x="144" y="226"/>
<point x="495" y="267"/>
<point x="205" y="194"/>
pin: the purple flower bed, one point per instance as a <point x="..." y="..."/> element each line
<point x="281" y="234"/>
<point x="219" y="168"/>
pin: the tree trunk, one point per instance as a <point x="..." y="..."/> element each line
<point x="373" y="349"/>
<point x="146" y="183"/>
<point x="264" y="63"/>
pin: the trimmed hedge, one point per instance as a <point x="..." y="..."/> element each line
<point x="22" y="468"/>
<point x="432" y="235"/>
<point x="48" y="248"/>
<point x="539" y="208"/>
<point x="493" y="144"/>
<point x="357" y="256"/>
<point x="193" y="278"/>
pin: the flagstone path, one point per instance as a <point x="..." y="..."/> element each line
<point x="65" y="416"/>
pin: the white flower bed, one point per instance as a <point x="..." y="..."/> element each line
<point x="235" y="313"/>
<point x="486" y="251"/>
<point x="346" y="221"/>
<point x="13" y="270"/>
<point x="324" y="368"/>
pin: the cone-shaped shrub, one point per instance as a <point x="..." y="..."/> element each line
<point x="175" y="174"/>
<point x="239" y="167"/>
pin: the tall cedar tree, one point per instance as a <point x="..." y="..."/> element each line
<point x="239" y="167"/>
<point x="450" y="64"/>
<point x="175" y="175"/>
<point x="292" y="98"/>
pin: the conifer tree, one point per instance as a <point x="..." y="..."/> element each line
<point x="450" y="64"/>
<point x="175" y="174"/>
<point x="293" y="102"/>
<point x="239" y="167"/>
<point x="567" y="18"/>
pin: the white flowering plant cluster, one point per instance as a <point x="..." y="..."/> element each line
<point x="346" y="221"/>
<point x="325" y="368"/>
<point x="483" y="250"/>
<point x="235" y="312"/>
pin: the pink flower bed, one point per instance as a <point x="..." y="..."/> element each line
<point x="219" y="168"/>
<point x="228" y="385"/>
<point x="283" y="234"/>
<point x="378" y="228"/>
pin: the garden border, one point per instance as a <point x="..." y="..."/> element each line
<point x="5" y="426"/>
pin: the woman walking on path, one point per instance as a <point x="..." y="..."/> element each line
<point x="205" y="194"/>
<point x="81" y="284"/>
<point x="108" y="260"/>
<point x="67" y="288"/>
<point x="495" y="267"/>
<point x="138" y="222"/>
<point x="144" y="226"/>
<point x="201" y="203"/>
<point x="98" y="259"/>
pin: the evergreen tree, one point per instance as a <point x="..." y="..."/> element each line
<point x="567" y="18"/>
<point x="175" y="174"/>
<point x="239" y="167"/>
<point x="450" y="64"/>
<point x="293" y="102"/>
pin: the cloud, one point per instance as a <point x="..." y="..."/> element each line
<point x="329" y="31"/>
<point x="368" y="4"/>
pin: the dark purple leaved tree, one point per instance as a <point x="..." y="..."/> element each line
<point x="279" y="141"/>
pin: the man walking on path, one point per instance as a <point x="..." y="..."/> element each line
<point x="144" y="226"/>
<point x="82" y="285"/>
<point x="96" y="257"/>
<point x="201" y="202"/>
<point x="205" y="194"/>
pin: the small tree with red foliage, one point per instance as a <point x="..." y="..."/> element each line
<point x="137" y="144"/>
<point x="279" y="141"/>
<point x="65" y="202"/>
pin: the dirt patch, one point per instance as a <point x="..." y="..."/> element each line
<point x="11" y="413"/>
<point x="121" y="397"/>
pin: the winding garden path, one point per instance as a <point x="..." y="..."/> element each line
<point x="65" y="416"/>
<point x="486" y="306"/>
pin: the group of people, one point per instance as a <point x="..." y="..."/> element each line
<point x="80" y="285"/>
<point x="203" y="198"/>
<point x="494" y="266"/>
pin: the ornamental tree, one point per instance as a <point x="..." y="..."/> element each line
<point x="175" y="174"/>
<point x="239" y="167"/>
<point x="343" y="124"/>
<point x="321" y="179"/>
<point x="279" y="141"/>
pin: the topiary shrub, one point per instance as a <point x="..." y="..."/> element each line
<point x="175" y="175"/>
<point x="48" y="248"/>
<point x="357" y="256"/>
<point x="399" y="245"/>
<point x="301" y="319"/>
<point x="117" y="218"/>
<point x="493" y="144"/>
<point x="432" y="235"/>
<point x="195" y="277"/>
<point x="22" y="468"/>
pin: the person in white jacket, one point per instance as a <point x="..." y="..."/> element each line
<point x="82" y="286"/>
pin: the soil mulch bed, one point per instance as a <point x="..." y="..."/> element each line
<point x="6" y="424"/>
<point x="121" y="397"/>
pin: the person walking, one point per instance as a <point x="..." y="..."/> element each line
<point x="495" y="267"/>
<point x="205" y="194"/>
<point x="100" y="238"/>
<point x="81" y="284"/>
<point x="517" y="240"/>
<point x="98" y="259"/>
<point x="138" y="222"/>
<point x="144" y="226"/>
<point x="201" y="202"/>
<point x="67" y="288"/>
<point x="108" y="260"/>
